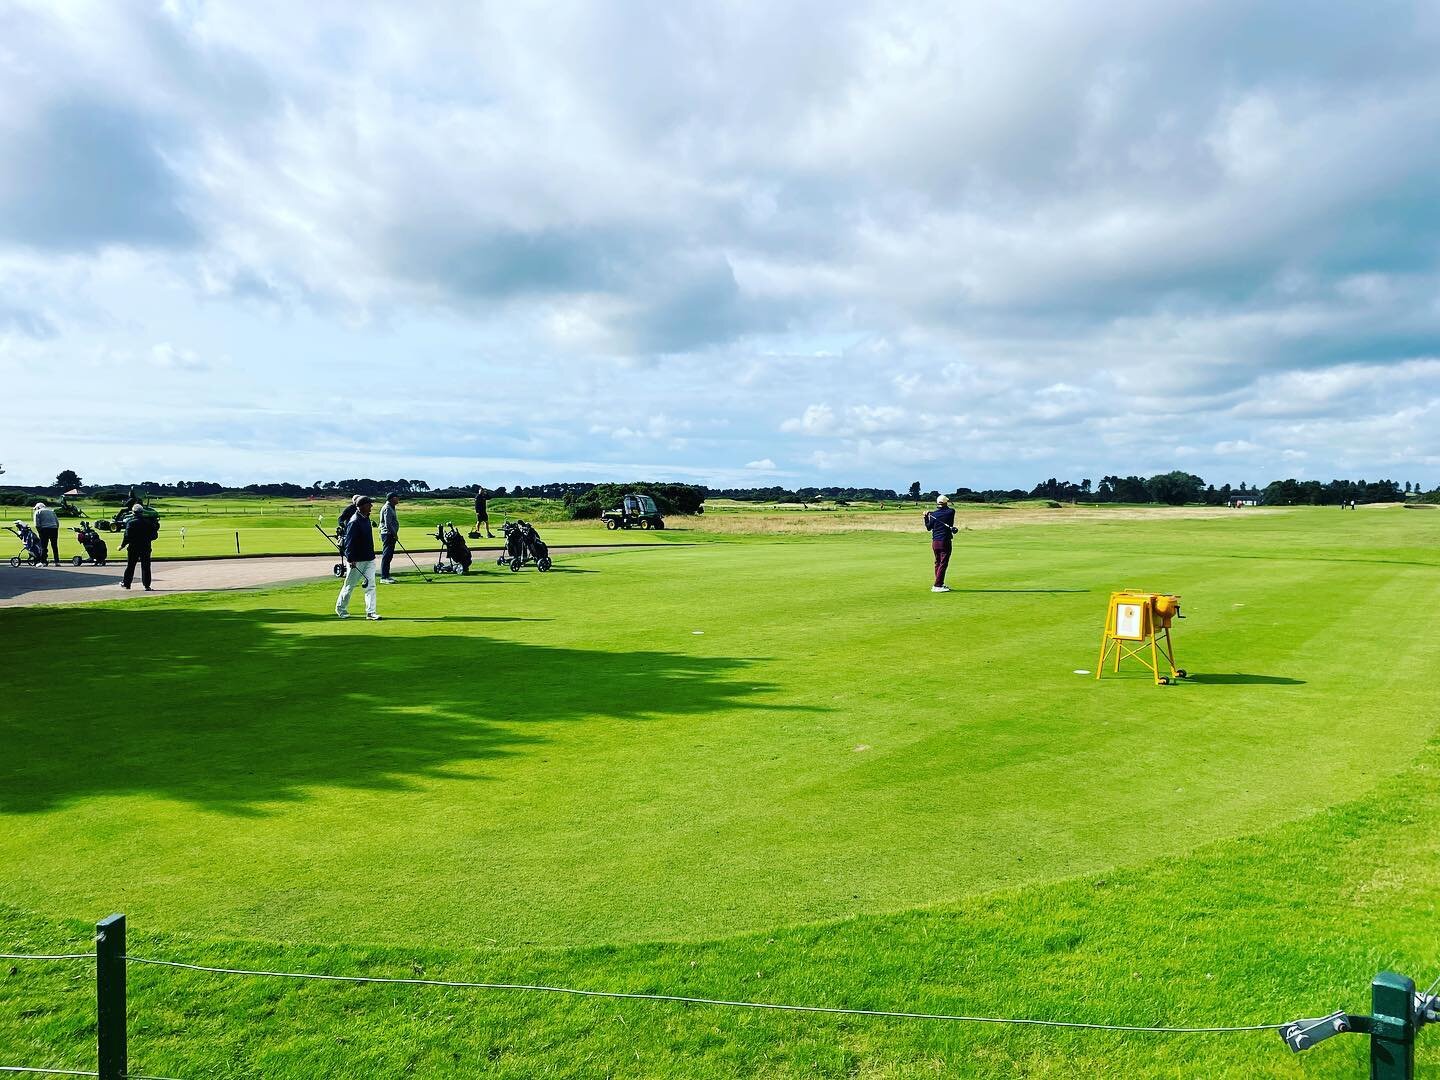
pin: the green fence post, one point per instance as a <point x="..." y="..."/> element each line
<point x="1392" y="1031"/>
<point x="110" y="997"/>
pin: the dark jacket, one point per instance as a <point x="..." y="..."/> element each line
<point x="139" y="532"/>
<point x="359" y="543"/>
<point x="940" y="522"/>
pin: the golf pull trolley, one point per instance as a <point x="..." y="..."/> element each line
<point x="339" y="568"/>
<point x="523" y="545"/>
<point x="455" y="556"/>
<point x="1137" y="627"/>
<point x="33" y="553"/>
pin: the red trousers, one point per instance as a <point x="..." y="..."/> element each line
<point x="942" y="559"/>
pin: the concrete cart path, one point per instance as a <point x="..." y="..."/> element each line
<point x="28" y="585"/>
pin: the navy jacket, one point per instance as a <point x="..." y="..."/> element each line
<point x="941" y="523"/>
<point x="359" y="540"/>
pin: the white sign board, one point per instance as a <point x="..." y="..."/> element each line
<point x="1128" y="622"/>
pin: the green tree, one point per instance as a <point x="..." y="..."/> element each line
<point x="67" y="479"/>
<point x="915" y="491"/>
<point x="1175" y="488"/>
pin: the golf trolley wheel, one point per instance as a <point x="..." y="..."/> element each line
<point x="77" y="561"/>
<point x="500" y="561"/>
<point x="1165" y="680"/>
<point x="1182" y="674"/>
<point x="543" y="564"/>
<point x="515" y="564"/>
<point x="338" y="569"/>
<point x="439" y="568"/>
<point x="31" y="560"/>
<point x="15" y="561"/>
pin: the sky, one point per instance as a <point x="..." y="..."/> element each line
<point x="734" y="243"/>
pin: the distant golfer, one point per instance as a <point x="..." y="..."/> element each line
<point x="941" y="523"/>
<point x="482" y="515"/>
<point x="140" y="533"/>
<point x="359" y="552"/>
<point x="47" y="527"/>
<point x="389" y="534"/>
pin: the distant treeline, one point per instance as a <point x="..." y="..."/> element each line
<point x="587" y="500"/>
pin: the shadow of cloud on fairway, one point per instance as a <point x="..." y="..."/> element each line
<point x="243" y="711"/>
<point x="1240" y="679"/>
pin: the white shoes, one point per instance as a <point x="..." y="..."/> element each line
<point x="373" y="618"/>
<point x="388" y="581"/>
<point x="939" y="588"/>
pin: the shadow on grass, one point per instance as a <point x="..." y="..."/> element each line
<point x="1241" y="679"/>
<point x="1023" y="591"/>
<point x="238" y="711"/>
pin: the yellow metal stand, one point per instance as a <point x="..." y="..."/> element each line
<point x="1137" y="626"/>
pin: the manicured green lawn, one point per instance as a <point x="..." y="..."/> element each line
<point x="845" y="790"/>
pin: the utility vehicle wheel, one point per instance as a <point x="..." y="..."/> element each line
<point x="644" y="524"/>
<point x="515" y="564"/>
<point x="611" y="524"/>
<point x="77" y="561"/>
<point x="659" y="524"/>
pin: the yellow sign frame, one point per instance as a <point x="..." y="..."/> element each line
<point x="1137" y="626"/>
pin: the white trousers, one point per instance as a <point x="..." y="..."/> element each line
<point x="361" y="571"/>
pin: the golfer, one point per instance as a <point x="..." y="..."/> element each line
<point x="389" y="534"/>
<point x="359" y="551"/>
<point x="47" y="527"/>
<point x="941" y="523"/>
<point x="482" y="515"/>
<point x="140" y="533"/>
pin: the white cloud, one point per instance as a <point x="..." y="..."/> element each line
<point x="865" y="235"/>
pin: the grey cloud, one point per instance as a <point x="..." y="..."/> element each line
<point x="87" y="175"/>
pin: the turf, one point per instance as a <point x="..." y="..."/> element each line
<point x="532" y="776"/>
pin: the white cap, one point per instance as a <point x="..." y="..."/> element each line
<point x="942" y="500"/>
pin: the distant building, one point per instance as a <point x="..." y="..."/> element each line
<point x="1238" y="501"/>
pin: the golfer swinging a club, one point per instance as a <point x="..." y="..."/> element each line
<point x="359" y="553"/>
<point x="941" y="523"/>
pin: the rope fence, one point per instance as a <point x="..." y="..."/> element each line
<point x="1399" y="1012"/>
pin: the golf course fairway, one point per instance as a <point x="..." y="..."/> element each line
<point x="757" y="768"/>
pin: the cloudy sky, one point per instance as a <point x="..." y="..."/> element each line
<point x="736" y="242"/>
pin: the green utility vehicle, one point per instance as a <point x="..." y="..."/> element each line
<point x="635" y="512"/>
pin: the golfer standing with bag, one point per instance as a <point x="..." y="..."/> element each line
<point x="359" y="551"/>
<point x="941" y="523"/>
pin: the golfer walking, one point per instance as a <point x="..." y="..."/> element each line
<point x="482" y="514"/>
<point x="941" y="523"/>
<point x="140" y="533"/>
<point x="47" y="527"/>
<point x="389" y="534"/>
<point x="359" y="551"/>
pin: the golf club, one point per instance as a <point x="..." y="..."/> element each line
<point x="412" y="560"/>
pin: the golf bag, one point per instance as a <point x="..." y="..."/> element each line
<point x="535" y="549"/>
<point x="33" y="552"/>
<point x="93" y="543"/>
<point x="523" y="545"/>
<point x="455" y="554"/>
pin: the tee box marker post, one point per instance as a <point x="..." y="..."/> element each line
<point x="1137" y="626"/>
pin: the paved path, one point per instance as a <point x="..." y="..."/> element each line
<point x="26" y="585"/>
